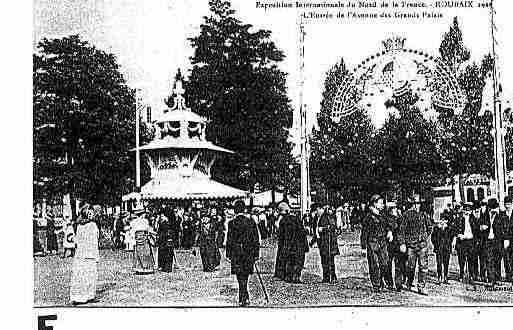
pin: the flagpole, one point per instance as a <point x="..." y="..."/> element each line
<point x="499" y="150"/>
<point x="304" y="166"/>
<point x="137" y="151"/>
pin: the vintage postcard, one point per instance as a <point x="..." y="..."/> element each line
<point x="258" y="155"/>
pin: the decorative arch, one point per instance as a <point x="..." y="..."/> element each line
<point x="394" y="71"/>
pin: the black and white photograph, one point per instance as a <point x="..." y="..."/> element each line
<point x="271" y="154"/>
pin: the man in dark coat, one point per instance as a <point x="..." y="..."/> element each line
<point x="493" y="237"/>
<point x="281" y="261"/>
<point x="414" y="233"/>
<point x="292" y="236"/>
<point x="376" y="232"/>
<point x="209" y="252"/>
<point x="442" y="238"/>
<point x="188" y="229"/>
<point x="508" y="237"/>
<point x="242" y="248"/>
<point x="358" y="215"/>
<point x="165" y="244"/>
<point x="395" y="256"/>
<point x="466" y="230"/>
<point x="479" y="213"/>
<point x="328" y="244"/>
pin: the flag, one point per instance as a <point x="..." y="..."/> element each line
<point x="488" y="97"/>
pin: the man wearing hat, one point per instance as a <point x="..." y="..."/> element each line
<point x="466" y="230"/>
<point x="442" y="238"/>
<point x="508" y="230"/>
<point x="494" y="237"/>
<point x="328" y="244"/>
<point x="395" y="256"/>
<point x="480" y="251"/>
<point x="242" y="248"/>
<point x="293" y="242"/>
<point x="376" y="232"/>
<point x="414" y="232"/>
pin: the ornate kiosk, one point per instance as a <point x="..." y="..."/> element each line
<point x="180" y="157"/>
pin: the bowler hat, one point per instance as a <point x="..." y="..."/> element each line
<point x="492" y="203"/>
<point x="476" y="205"/>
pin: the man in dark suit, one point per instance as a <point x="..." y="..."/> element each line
<point x="242" y="248"/>
<point x="508" y="237"/>
<point x="292" y="238"/>
<point x="375" y="237"/>
<point x="480" y="209"/>
<point x="395" y="256"/>
<point x="328" y="244"/>
<point x="442" y="238"/>
<point x="491" y="229"/>
<point x="466" y="231"/>
<point x="414" y="232"/>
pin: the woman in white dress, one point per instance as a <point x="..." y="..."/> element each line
<point x="85" y="264"/>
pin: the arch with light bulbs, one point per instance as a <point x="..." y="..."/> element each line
<point x="397" y="70"/>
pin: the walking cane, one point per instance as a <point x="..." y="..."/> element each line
<point x="262" y="283"/>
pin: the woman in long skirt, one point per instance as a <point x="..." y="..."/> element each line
<point x="51" y="236"/>
<point x="166" y="245"/>
<point x="143" y="254"/>
<point x="85" y="264"/>
<point x="188" y="232"/>
<point x="210" y="255"/>
<point x="219" y="224"/>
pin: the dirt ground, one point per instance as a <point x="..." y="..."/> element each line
<point x="189" y="286"/>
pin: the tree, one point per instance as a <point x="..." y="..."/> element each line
<point x="235" y="82"/>
<point x="409" y="145"/>
<point x="452" y="50"/>
<point x="341" y="153"/>
<point x="84" y="121"/>
<point x="468" y="144"/>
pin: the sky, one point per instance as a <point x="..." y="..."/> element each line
<point x="150" y="38"/>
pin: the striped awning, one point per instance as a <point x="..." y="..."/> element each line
<point x="189" y="188"/>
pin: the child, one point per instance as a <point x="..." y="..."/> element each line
<point x="69" y="240"/>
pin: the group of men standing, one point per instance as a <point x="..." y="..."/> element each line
<point x="481" y="234"/>
<point x="390" y="238"/>
<point x="293" y="244"/>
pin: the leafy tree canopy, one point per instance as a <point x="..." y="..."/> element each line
<point x="83" y="122"/>
<point x="236" y="83"/>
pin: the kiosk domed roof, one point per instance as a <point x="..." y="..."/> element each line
<point x="180" y="111"/>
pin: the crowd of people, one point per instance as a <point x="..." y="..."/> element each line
<point x="395" y="238"/>
<point x="480" y="234"/>
<point x="51" y="237"/>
